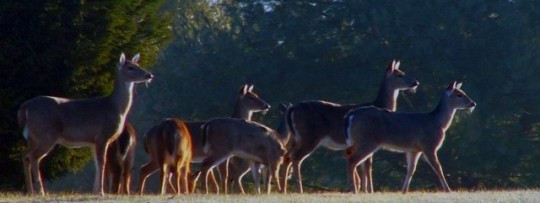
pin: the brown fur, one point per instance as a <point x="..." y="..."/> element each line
<point x="247" y="102"/>
<point x="173" y="133"/>
<point x="96" y="122"/>
<point x="118" y="170"/>
<point x="315" y="123"/>
<point x="415" y="134"/>
<point x="227" y="137"/>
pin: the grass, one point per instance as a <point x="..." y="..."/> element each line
<point x="478" y="196"/>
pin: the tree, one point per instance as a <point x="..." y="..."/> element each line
<point x="337" y="50"/>
<point x="67" y="49"/>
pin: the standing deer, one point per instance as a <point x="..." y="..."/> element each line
<point x="169" y="148"/>
<point x="224" y="138"/>
<point x="239" y="167"/>
<point x="316" y="123"/>
<point x="95" y="122"/>
<point x="372" y="128"/>
<point x="120" y="159"/>
<point x="247" y="102"/>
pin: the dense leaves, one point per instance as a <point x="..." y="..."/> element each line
<point x="68" y="49"/>
<point x="292" y="51"/>
<point x="337" y="50"/>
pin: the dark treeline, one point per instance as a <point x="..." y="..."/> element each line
<point x="292" y="51"/>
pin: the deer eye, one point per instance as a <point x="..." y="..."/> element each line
<point x="130" y="68"/>
<point x="460" y="95"/>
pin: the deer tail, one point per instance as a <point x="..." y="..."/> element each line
<point x="348" y="118"/>
<point x="171" y="134"/>
<point x="22" y="119"/>
<point x="289" y="120"/>
<point x="204" y="136"/>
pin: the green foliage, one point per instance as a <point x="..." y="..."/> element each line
<point x="68" y="49"/>
<point x="337" y="50"/>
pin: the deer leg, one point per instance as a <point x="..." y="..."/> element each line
<point x="412" y="160"/>
<point x="361" y="153"/>
<point x="275" y="170"/>
<point x="433" y="161"/>
<point x="223" y="169"/>
<point x="368" y="165"/>
<point x="297" y="159"/>
<point x="362" y="180"/>
<point x="126" y="181"/>
<point x="185" y="178"/>
<point x="208" y="164"/>
<point x="127" y="169"/>
<point x="255" y="174"/>
<point x="164" y="177"/>
<point x="268" y="181"/>
<point x="31" y="163"/>
<point x="285" y="172"/>
<point x="28" y="174"/>
<point x="146" y="170"/>
<point x="115" y="176"/>
<point x="100" y="152"/>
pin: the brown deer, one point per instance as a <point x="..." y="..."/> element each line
<point x="320" y="123"/>
<point x="95" y="122"/>
<point x="169" y="148"/>
<point x="239" y="167"/>
<point x="415" y="134"/>
<point x="120" y="159"/>
<point x="247" y="102"/>
<point x="224" y="138"/>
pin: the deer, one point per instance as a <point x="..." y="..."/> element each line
<point x="317" y="123"/>
<point x="415" y="134"/>
<point x="224" y="138"/>
<point x="169" y="148"/>
<point x="95" y="122"/>
<point x="120" y="159"/>
<point x="247" y="102"/>
<point x="239" y="167"/>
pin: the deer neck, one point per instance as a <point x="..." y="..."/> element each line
<point x="240" y="111"/>
<point x="122" y="95"/>
<point x="443" y="114"/>
<point x="387" y="97"/>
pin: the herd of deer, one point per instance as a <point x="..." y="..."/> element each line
<point x="236" y="145"/>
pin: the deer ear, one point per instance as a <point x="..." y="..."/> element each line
<point x="122" y="59"/>
<point x="282" y="107"/>
<point x="396" y="67"/>
<point x="450" y="88"/>
<point x="136" y="58"/>
<point x="390" y="68"/>
<point x="250" y="88"/>
<point x="458" y="86"/>
<point x="244" y="89"/>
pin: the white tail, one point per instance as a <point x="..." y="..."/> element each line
<point x="95" y="122"/>
<point x="414" y="134"/>
<point x="315" y="123"/>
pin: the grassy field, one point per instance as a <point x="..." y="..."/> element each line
<point x="479" y="196"/>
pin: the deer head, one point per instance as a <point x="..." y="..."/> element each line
<point x="250" y="100"/>
<point x="130" y="71"/>
<point x="457" y="99"/>
<point x="398" y="80"/>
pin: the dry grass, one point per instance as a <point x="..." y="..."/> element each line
<point x="479" y="196"/>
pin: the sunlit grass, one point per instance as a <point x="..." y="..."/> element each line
<point x="478" y="196"/>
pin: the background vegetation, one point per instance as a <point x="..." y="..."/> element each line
<point x="292" y="51"/>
